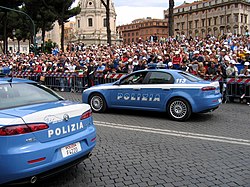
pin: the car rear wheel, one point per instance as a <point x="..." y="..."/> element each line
<point x="97" y="103"/>
<point x="179" y="109"/>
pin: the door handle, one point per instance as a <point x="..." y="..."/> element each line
<point x="136" y="89"/>
<point x="166" y="89"/>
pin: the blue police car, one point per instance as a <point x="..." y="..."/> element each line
<point x="40" y="132"/>
<point x="176" y="92"/>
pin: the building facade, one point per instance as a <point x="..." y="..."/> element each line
<point x="69" y="30"/>
<point x="213" y="17"/>
<point x="90" y="27"/>
<point x="143" y="29"/>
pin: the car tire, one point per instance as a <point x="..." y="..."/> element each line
<point x="231" y="99"/>
<point x="97" y="103"/>
<point x="179" y="109"/>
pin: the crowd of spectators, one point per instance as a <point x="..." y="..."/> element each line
<point x="200" y="56"/>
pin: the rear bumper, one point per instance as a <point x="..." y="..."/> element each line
<point x="209" y="110"/>
<point x="51" y="172"/>
<point x="207" y="104"/>
<point x="15" y="160"/>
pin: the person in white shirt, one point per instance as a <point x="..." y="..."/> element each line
<point x="232" y="70"/>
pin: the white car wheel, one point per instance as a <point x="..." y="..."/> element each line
<point x="179" y="109"/>
<point x="97" y="103"/>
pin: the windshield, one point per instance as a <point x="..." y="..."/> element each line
<point x="14" y="95"/>
<point x="190" y="77"/>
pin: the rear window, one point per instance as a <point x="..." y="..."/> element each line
<point x="190" y="77"/>
<point x="160" y="78"/>
<point x="21" y="94"/>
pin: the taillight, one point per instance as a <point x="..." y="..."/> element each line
<point x="208" y="88"/>
<point x="22" y="129"/>
<point x="86" y="115"/>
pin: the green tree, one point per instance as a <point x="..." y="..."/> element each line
<point x="42" y="16"/>
<point x="13" y="4"/>
<point x="107" y="7"/>
<point x="18" y="27"/>
<point x="49" y="45"/>
<point x="63" y="10"/>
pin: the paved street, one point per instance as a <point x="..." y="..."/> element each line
<point x="148" y="149"/>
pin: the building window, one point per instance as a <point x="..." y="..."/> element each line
<point x="236" y="5"/>
<point x="228" y="18"/>
<point x="215" y="20"/>
<point x="245" y="18"/>
<point x="133" y="34"/>
<point x="104" y="22"/>
<point x="133" y="40"/>
<point x="182" y="25"/>
<point x="236" y="18"/>
<point x="241" y="18"/>
<point x="178" y="26"/>
<point x="90" y="22"/>
<point x="196" y="23"/>
<point x="124" y="34"/>
<point x="137" y="33"/>
<point x="78" y="23"/>
<point x="221" y="20"/>
<point x="203" y="22"/>
<point x="190" y="24"/>
<point x="128" y="34"/>
<point x="209" y="22"/>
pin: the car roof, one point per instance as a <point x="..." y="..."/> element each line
<point x="161" y="70"/>
<point x="4" y="80"/>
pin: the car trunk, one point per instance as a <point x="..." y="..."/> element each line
<point x="62" y="117"/>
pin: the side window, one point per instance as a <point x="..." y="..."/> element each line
<point x="160" y="78"/>
<point x="136" y="78"/>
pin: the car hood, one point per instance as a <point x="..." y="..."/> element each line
<point x="100" y="85"/>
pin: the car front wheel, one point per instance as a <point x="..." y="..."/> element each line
<point x="97" y="103"/>
<point x="179" y="109"/>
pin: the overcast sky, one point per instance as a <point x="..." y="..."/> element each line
<point x="128" y="10"/>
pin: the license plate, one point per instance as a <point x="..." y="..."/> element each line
<point x="71" y="149"/>
<point x="219" y="100"/>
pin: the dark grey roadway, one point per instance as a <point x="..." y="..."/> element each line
<point x="151" y="150"/>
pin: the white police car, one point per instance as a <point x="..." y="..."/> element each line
<point x="176" y="92"/>
<point x="40" y="132"/>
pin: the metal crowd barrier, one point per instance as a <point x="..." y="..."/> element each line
<point x="235" y="87"/>
<point x="238" y="88"/>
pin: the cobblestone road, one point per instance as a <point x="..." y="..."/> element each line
<point x="147" y="149"/>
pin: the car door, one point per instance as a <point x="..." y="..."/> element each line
<point x="156" y="90"/>
<point x="127" y="93"/>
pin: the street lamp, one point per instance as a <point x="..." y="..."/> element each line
<point x="33" y="24"/>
